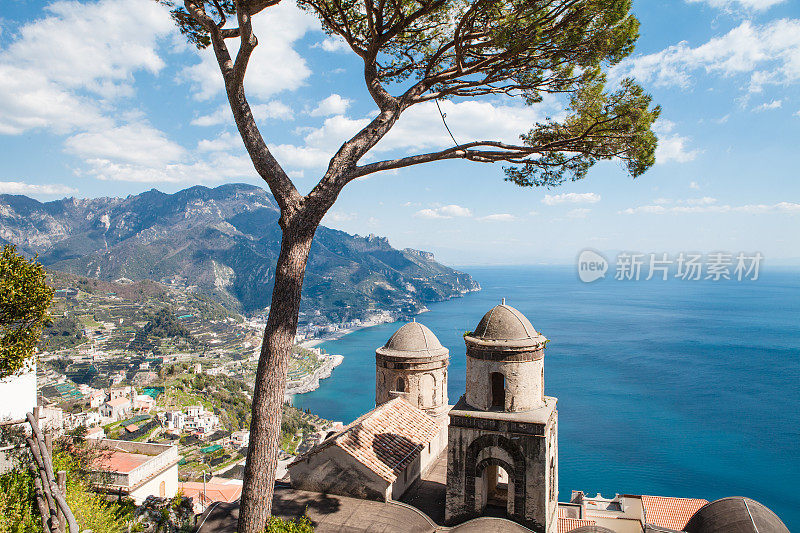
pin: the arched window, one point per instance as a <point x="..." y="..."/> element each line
<point x="401" y="385"/>
<point x="498" y="385"/>
<point x="162" y="489"/>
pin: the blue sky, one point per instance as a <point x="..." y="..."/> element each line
<point x="106" y="99"/>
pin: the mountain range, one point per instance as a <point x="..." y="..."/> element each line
<point x="225" y="242"/>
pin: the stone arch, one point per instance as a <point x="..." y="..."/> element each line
<point x="401" y="384"/>
<point x="493" y="461"/>
<point x="515" y="471"/>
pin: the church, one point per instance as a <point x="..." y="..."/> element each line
<point x="487" y="463"/>
<point x="500" y="438"/>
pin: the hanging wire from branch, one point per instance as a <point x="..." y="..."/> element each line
<point x="455" y="143"/>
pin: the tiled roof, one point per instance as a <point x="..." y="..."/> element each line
<point x="565" y="525"/>
<point x="211" y="492"/>
<point x="119" y="461"/>
<point x="116" y="402"/>
<point x="385" y="439"/>
<point x="672" y="513"/>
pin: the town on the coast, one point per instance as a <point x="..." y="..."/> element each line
<point x="176" y="425"/>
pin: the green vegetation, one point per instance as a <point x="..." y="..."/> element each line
<point x="17" y="509"/>
<point x="279" y="525"/>
<point x="295" y="425"/>
<point x="166" y="324"/>
<point x="92" y="511"/>
<point x="24" y="299"/>
<point x="63" y="333"/>
<point x="224" y="395"/>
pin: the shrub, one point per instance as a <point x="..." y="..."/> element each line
<point x="279" y="525"/>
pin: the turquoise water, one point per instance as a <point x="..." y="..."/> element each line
<point x="677" y="388"/>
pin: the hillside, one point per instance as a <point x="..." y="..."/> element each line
<point x="225" y="242"/>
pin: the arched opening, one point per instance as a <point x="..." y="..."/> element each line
<point x="162" y="489"/>
<point x="498" y="390"/>
<point x="495" y="489"/>
<point x="401" y="385"/>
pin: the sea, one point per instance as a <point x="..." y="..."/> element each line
<point x="675" y="388"/>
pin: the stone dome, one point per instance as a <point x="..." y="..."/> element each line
<point x="735" y="515"/>
<point x="504" y="325"/>
<point x="413" y="340"/>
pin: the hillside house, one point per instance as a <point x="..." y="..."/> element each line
<point x="136" y="469"/>
<point x="116" y="409"/>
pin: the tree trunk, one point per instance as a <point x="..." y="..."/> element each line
<point x="270" y="384"/>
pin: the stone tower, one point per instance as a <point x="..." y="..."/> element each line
<point x="413" y="364"/>
<point x="502" y="453"/>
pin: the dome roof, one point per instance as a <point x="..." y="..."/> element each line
<point x="413" y="340"/>
<point x="504" y="325"/>
<point x="735" y="515"/>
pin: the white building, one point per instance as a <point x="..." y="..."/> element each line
<point x="117" y="408"/>
<point x="136" y="469"/>
<point x="195" y="410"/>
<point x="205" y="422"/>
<point x="96" y="398"/>
<point x="120" y="392"/>
<point x="144" y="402"/>
<point x="18" y="394"/>
<point x="174" y="419"/>
<point x="240" y="438"/>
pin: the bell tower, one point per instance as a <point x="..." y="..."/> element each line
<point x="413" y="364"/>
<point x="503" y="432"/>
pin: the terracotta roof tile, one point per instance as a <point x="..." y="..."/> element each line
<point x="565" y="525"/>
<point x="212" y="492"/>
<point x="386" y="439"/>
<point x="672" y="513"/>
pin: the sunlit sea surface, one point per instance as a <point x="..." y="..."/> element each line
<point x="676" y="388"/>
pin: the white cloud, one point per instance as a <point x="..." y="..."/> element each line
<point x="769" y="54"/>
<point x="291" y="156"/>
<point x="136" y="143"/>
<point x="54" y="69"/>
<point x="213" y="168"/>
<point x="333" y="44"/>
<point x="730" y="5"/>
<point x="694" y="185"/>
<point x="498" y="217"/>
<point x="445" y="211"/>
<point x="224" y="142"/>
<point x="706" y="200"/>
<point x="766" y="106"/>
<point x="274" y="66"/>
<point x="18" y="187"/>
<point x="580" y="212"/>
<point x="713" y="207"/>
<point x="222" y="115"/>
<point x="332" y="105"/>
<point x="419" y="129"/>
<point x="674" y="148"/>
<point x="338" y="216"/>
<point x="94" y="46"/>
<point x="571" y="198"/>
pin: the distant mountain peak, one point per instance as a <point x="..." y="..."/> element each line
<point x="194" y="236"/>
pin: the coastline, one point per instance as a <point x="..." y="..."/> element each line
<point x="311" y="381"/>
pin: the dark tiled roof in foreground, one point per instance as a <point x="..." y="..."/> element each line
<point x="386" y="439"/>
